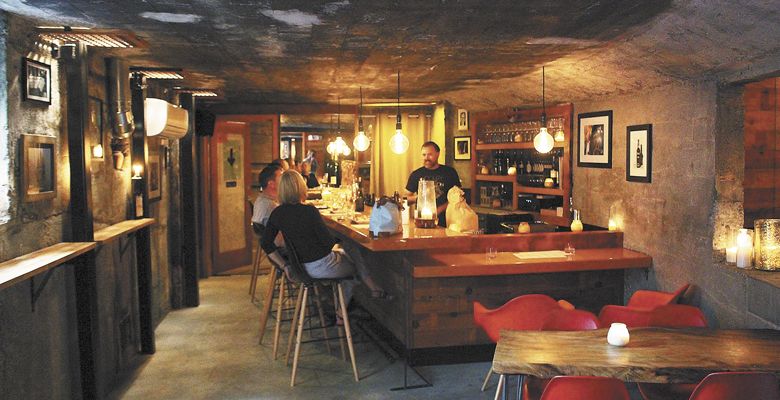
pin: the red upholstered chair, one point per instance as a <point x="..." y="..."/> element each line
<point x="585" y="388"/>
<point x="737" y="386"/>
<point x="559" y="320"/>
<point x="648" y="299"/>
<point x="672" y="316"/>
<point x="632" y="317"/>
<point x="526" y="312"/>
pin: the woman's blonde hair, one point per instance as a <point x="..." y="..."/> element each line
<point x="292" y="188"/>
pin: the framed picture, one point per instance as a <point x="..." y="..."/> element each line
<point x="95" y="127"/>
<point x="36" y="81"/>
<point x="594" y="137"/>
<point x="154" y="183"/>
<point x="639" y="153"/>
<point x="463" y="120"/>
<point x="463" y="148"/>
<point x="39" y="169"/>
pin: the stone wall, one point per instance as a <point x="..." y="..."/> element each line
<point x="696" y="148"/>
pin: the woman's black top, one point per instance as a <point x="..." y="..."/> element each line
<point x="311" y="181"/>
<point x="303" y="225"/>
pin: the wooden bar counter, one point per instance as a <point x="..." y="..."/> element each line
<point x="435" y="275"/>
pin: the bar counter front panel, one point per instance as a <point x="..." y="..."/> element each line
<point x="435" y="275"/>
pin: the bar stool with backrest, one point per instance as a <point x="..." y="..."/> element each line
<point x="298" y="273"/>
<point x="737" y="386"/>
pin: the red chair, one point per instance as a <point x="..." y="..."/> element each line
<point x="585" y="388"/>
<point x="648" y="299"/>
<point x="632" y="317"/>
<point x="672" y="316"/>
<point x="526" y="312"/>
<point x="559" y="320"/>
<point x="737" y="386"/>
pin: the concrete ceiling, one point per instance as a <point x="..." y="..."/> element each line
<point x="476" y="54"/>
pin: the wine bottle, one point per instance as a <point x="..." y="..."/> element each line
<point x="360" y="204"/>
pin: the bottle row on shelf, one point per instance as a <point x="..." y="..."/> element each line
<point x="530" y="167"/>
<point x="495" y="195"/>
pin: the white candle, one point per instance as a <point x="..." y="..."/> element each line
<point x="731" y="254"/>
<point x="744" y="249"/>
<point x="426" y="213"/>
<point x="332" y="180"/>
<point x="618" y="334"/>
<point x="612" y="225"/>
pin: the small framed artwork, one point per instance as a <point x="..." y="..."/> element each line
<point x="39" y="169"/>
<point x="36" y="81"/>
<point x="639" y="153"/>
<point x="463" y="148"/>
<point x="154" y="183"/>
<point x="95" y="128"/>
<point x="594" y="138"/>
<point x="463" y="120"/>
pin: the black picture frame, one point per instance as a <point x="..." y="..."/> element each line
<point x="154" y="176"/>
<point x="594" y="139"/>
<point x="39" y="168"/>
<point x="463" y="120"/>
<point x="462" y="148"/>
<point x="639" y="156"/>
<point x="36" y="81"/>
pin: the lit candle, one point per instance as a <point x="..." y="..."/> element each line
<point x="612" y="225"/>
<point x="618" y="334"/>
<point x="731" y="254"/>
<point x="426" y="213"/>
<point x="744" y="249"/>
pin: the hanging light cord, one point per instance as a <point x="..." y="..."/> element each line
<point x="544" y="109"/>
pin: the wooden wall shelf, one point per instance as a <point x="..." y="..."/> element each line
<point x="112" y="232"/>
<point x="40" y="261"/>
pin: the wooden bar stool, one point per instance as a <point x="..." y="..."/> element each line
<point x="258" y="259"/>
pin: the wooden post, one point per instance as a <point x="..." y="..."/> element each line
<point x="76" y="73"/>
<point x="190" y="202"/>
<point x="143" y="237"/>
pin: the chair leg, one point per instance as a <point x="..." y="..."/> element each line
<point x="269" y="297"/>
<point x="340" y="329"/>
<point x="500" y="386"/>
<point x="487" y="379"/>
<point x="299" y="332"/>
<point x="322" y="316"/>
<point x="298" y="306"/>
<point x="255" y="273"/>
<point x="257" y="276"/>
<point x="279" y="304"/>
<point x="349" y="332"/>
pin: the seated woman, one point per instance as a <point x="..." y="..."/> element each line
<point x="311" y="180"/>
<point x="303" y="226"/>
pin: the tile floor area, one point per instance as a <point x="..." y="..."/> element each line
<point x="211" y="352"/>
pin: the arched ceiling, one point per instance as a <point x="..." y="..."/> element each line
<point x="476" y="54"/>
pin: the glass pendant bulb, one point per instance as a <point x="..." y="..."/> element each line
<point x="543" y="141"/>
<point x="399" y="142"/>
<point x="361" y="141"/>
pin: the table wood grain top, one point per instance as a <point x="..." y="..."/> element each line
<point x="40" y="261"/>
<point x="659" y="355"/>
<point x="112" y="232"/>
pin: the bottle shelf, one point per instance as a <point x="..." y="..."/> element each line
<point x="496" y="178"/>
<point x="538" y="190"/>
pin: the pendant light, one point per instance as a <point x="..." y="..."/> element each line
<point x="399" y="143"/>
<point x="543" y="141"/>
<point x="361" y="141"/>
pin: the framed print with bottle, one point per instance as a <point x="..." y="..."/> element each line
<point x="594" y="139"/>
<point x="463" y="148"/>
<point x="639" y="153"/>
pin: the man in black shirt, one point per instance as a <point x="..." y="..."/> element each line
<point x="445" y="177"/>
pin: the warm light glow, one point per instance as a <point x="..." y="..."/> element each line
<point x="338" y="147"/>
<point x="543" y="141"/>
<point x="560" y="136"/>
<point x="161" y="116"/>
<point x="361" y="141"/>
<point x="612" y="225"/>
<point x="426" y="213"/>
<point x="731" y="254"/>
<point x="744" y="249"/>
<point x="97" y="151"/>
<point x="137" y="169"/>
<point x="618" y="334"/>
<point x="399" y="143"/>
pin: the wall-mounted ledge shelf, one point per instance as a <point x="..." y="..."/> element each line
<point x="40" y="261"/>
<point x="112" y="232"/>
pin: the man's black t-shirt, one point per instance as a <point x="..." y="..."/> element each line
<point x="445" y="177"/>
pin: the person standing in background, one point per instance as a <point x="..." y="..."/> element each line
<point x="311" y="158"/>
<point x="445" y="177"/>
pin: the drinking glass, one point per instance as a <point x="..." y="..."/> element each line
<point x="491" y="253"/>
<point x="569" y="249"/>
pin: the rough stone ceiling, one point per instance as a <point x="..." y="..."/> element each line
<point x="476" y="54"/>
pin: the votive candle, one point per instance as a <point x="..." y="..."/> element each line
<point x="618" y="334"/>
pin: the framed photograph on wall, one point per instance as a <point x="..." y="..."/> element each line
<point x="463" y="148"/>
<point x="154" y="183"/>
<point x="39" y="169"/>
<point x="639" y="153"/>
<point x="463" y="120"/>
<point x="36" y="81"/>
<point x="594" y="138"/>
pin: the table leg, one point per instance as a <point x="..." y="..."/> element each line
<point x="500" y="386"/>
<point x="520" y="379"/>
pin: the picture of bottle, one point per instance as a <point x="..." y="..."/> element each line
<point x="639" y="157"/>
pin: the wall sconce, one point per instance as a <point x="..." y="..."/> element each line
<point x="137" y="169"/>
<point x="767" y="244"/>
<point x="97" y="151"/>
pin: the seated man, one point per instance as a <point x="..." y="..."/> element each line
<point x="266" y="201"/>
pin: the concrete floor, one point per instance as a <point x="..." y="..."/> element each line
<point x="211" y="352"/>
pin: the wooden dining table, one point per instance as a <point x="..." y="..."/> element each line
<point x="657" y="355"/>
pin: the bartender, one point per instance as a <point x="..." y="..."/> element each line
<point x="445" y="177"/>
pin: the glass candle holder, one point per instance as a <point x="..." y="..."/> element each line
<point x="576" y="223"/>
<point x="744" y="249"/>
<point x="767" y="244"/>
<point x="618" y="334"/>
<point x="426" y="204"/>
